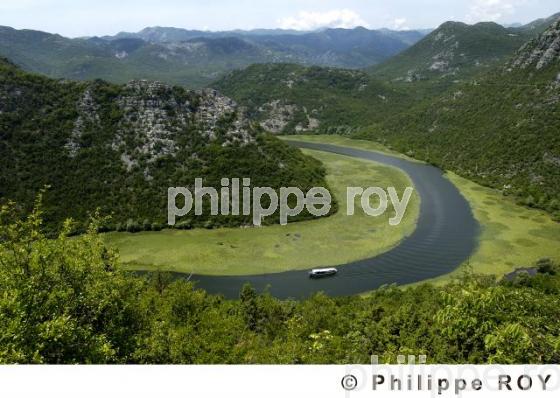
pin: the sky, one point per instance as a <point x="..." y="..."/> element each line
<point x="74" y="18"/>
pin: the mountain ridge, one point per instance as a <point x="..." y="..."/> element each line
<point x="193" y="58"/>
<point x="454" y="50"/>
<point x="541" y="51"/>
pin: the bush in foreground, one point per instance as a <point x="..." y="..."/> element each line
<point x="66" y="300"/>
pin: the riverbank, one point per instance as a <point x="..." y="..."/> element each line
<point x="335" y="240"/>
<point x="511" y="236"/>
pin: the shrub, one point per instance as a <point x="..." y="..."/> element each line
<point x="184" y="225"/>
<point x="146" y="225"/>
<point x="132" y="226"/>
<point x="546" y="266"/>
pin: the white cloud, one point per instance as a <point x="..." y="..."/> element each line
<point x="400" y="24"/>
<point x="308" y="20"/>
<point x="19" y="5"/>
<point x="491" y="10"/>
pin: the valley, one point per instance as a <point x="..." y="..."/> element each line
<point x="95" y="130"/>
<point x="156" y="135"/>
<point x="510" y="236"/>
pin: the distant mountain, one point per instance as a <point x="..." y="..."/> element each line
<point x="540" y="25"/>
<point x="351" y="48"/>
<point x="159" y="34"/>
<point x="453" y="51"/>
<point x="194" y="58"/>
<point x="192" y="63"/>
<point x="119" y="148"/>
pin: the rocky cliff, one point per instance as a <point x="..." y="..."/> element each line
<point x="540" y="52"/>
<point x="119" y="147"/>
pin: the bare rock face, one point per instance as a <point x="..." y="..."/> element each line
<point x="154" y="120"/>
<point x="279" y="115"/>
<point x="541" y="51"/>
<point x="214" y="108"/>
<point x="449" y="46"/>
<point x="87" y="114"/>
<point x="151" y="118"/>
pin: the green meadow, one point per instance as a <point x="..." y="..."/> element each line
<point x="511" y="237"/>
<point x="333" y="240"/>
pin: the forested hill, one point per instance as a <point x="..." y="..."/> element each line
<point x="500" y="129"/>
<point x="454" y="51"/>
<point x="120" y="147"/>
<point x="288" y="98"/>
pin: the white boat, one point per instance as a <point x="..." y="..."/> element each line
<point x="322" y="272"/>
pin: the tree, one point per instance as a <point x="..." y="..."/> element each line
<point x="546" y="266"/>
<point x="62" y="300"/>
<point x="249" y="306"/>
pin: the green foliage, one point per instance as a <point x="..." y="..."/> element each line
<point x="480" y="118"/>
<point x="65" y="300"/>
<point x="500" y="131"/>
<point x="464" y="50"/>
<point x="546" y="266"/>
<point x="39" y="147"/>
<point x="344" y="101"/>
<point x="62" y="300"/>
